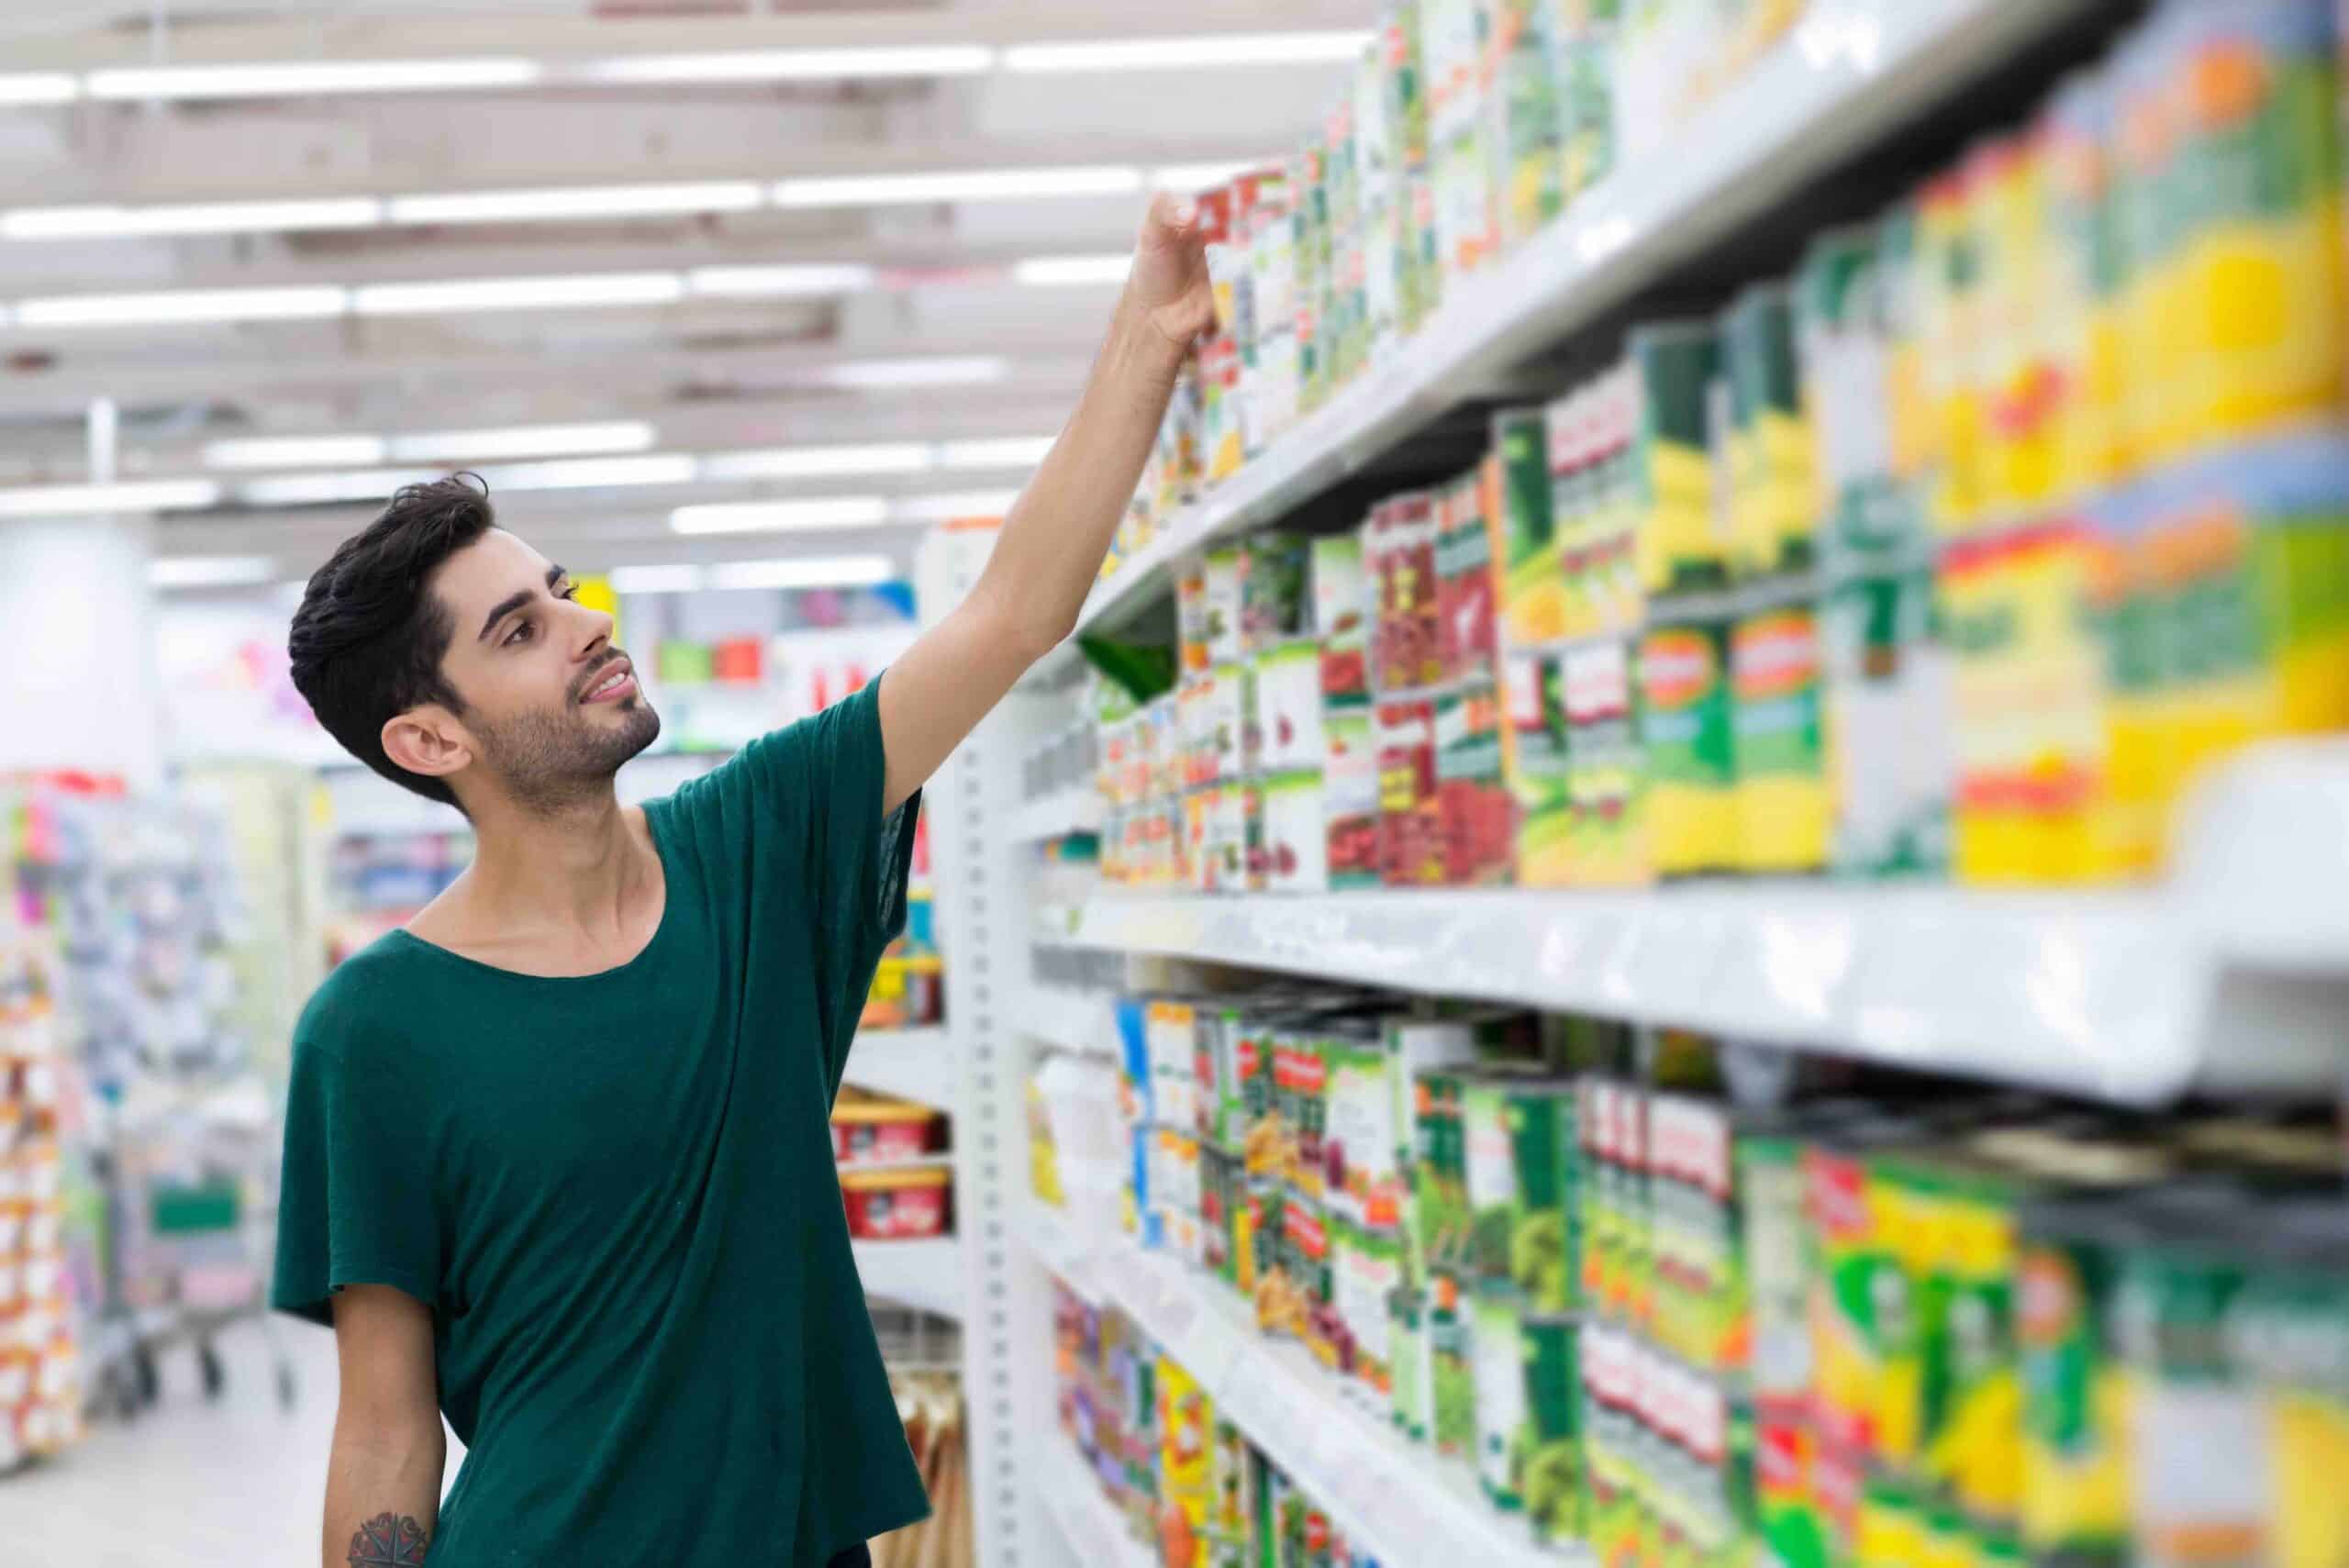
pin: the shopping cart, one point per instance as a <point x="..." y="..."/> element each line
<point x="190" y="1220"/>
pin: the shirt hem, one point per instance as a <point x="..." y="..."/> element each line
<point x="881" y="1522"/>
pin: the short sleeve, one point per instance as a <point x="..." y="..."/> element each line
<point x="355" y="1197"/>
<point x="826" y="776"/>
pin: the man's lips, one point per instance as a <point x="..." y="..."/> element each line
<point x="613" y="682"/>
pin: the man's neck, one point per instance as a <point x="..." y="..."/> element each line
<point x="578" y="871"/>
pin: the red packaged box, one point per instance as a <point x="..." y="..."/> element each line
<point x="898" y="1206"/>
<point x="1410" y="821"/>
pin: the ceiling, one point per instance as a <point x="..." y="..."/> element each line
<point x="428" y="241"/>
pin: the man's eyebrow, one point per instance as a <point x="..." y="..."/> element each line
<point x="515" y="601"/>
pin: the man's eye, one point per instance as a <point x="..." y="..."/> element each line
<point x="519" y="634"/>
<point x="570" y="591"/>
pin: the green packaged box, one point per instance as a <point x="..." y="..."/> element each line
<point x="1442" y="1230"/>
<point x="1681" y="550"/>
<point x="1774" y="499"/>
<point x="1520" y="1130"/>
<point x="1550" y="1448"/>
<point x="1499" y="1371"/>
<point x="1411" y="1396"/>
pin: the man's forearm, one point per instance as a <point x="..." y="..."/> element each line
<point x="383" y="1496"/>
<point x="1053" y="542"/>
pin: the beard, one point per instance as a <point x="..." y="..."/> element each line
<point x="547" y="762"/>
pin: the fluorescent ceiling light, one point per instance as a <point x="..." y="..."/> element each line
<point x="183" y="306"/>
<point x="815" y="462"/>
<point x="584" y="201"/>
<point x="196" y="218"/>
<point x="318" y="77"/>
<point x="1013" y="451"/>
<point x="795" y="64"/>
<point x="1168" y="54"/>
<point x="654" y="579"/>
<point x="595" y="472"/>
<point x="209" y="571"/>
<point x="523" y="441"/>
<point x="781" y="517"/>
<point x="87" y="500"/>
<point x="957" y="185"/>
<point x="320" y="489"/>
<point x="944" y="370"/>
<point x="1051" y="272"/>
<point x="1194" y="177"/>
<point x="38" y="88"/>
<point x="807" y="572"/>
<point x="947" y="507"/>
<point x="518" y="294"/>
<point x="296" y="451"/>
<point x="752" y="282"/>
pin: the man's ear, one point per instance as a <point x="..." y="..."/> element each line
<point x="427" y="739"/>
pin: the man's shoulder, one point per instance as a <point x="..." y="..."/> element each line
<point x="368" y="999"/>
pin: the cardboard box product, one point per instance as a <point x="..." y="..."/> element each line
<point x="1606" y="774"/>
<point x="1342" y="611"/>
<point x="1295" y="833"/>
<point x="1774" y="500"/>
<point x="1785" y="819"/>
<point x="1288" y="682"/>
<point x="1478" y="809"/>
<point x="1467" y="584"/>
<point x="1536" y="773"/>
<point x="1519" y="1126"/>
<point x="1687" y="737"/>
<point x="1532" y="578"/>
<point x="1681" y="547"/>
<point x="1410" y="816"/>
<point x="1350" y="795"/>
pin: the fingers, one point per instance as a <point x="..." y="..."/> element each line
<point x="1171" y="217"/>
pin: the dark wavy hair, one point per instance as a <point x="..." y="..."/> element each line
<point x="368" y="640"/>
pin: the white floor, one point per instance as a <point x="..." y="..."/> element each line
<point x="237" y="1483"/>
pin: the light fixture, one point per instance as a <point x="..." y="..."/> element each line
<point x="947" y="507"/>
<point x="584" y="201"/>
<point x="518" y="294"/>
<point x="1191" y="178"/>
<point x="807" y="572"/>
<point x="308" y="78"/>
<point x="795" y="64"/>
<point x="1052" y="272"/>
<point x="90" y="500"/>
<point x="654" y="579"/>
<point x="942" y="369"/>
<point x="595" y="472"/>
<point x="1176" y="53"/>
<point x="815" y="462"/>
<point x="753" y="281"/>
<point x="781" y="517"/>
<point x="956" y="185"/>
<point x="30" y="87"/>
<point x="193" y="217"/>
<point x="209" y="571"/>
<point x="296" y="451"/>
<point x="1010" y="451"/>
<point x="524" y="440"/>
<point x="323" y="489"/>
<point x="185" y="306"/>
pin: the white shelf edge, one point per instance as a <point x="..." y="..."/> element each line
<point x="1851" y="69"/>
<point x="1399" y="1501"/>
<point x="1058" y="814"/>
<point x="927" y="1274"/>
<point x="2232" y="976"/>
<point x="1094" y="1529"/>
<point x="916" y="1064"/>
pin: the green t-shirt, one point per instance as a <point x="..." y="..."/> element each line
<point x="617" y="1191"/>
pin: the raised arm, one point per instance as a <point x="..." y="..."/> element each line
<point x="384" y="1471"/>
<point x="1051" y="548"/>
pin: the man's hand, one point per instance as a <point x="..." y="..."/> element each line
<point x="1169" y="282"/>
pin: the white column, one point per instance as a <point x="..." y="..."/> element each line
<point x="77" y="637"/>
<point x="77" y="646"/>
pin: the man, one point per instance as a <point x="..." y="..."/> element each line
<point x="557" y="1153"/>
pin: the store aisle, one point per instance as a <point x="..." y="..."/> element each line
<point x="232" y="1484"/>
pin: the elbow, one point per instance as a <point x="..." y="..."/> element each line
<point x="1026" y="628"/>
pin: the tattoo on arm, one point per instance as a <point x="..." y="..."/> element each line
<point x="387" y="1542"/>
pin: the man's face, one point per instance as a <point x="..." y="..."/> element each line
<point x="551" y="706"/>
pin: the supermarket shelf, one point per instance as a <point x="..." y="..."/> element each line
<point x="1069" y="1019"/>
<point x="1852" y="70"/>
<point x="926" y="1274"/>
<point x="1095" y="1531"/>
<point x="1395" y="1500"/>
<point x="2232" y="976"/>
<point x="1058" y="814"/>
<point x="913" y="1065"/>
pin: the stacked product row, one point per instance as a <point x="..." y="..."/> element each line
<point x="1861" y="1321"/>
<point x="1470" y="125"/>
<point x="895" y="1186"/>
<point x="40" y="1379"/>
<point x="1185" y="1480"/>
<point x="1961" y="552"/>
